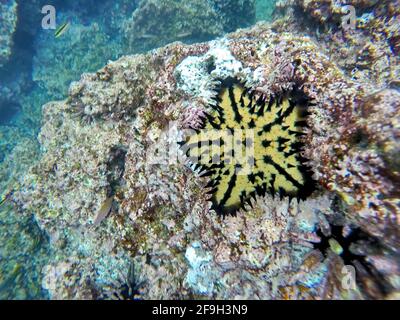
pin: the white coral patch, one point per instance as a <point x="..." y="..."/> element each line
<point x="201" y="276"/>
<point x="191" y="76"/>
<point x="225" y="63"/>
<point x="197" y="76"/>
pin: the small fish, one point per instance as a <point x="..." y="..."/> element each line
<point x="147" y="36"/>
<point x="61" y="30"/>
<point x="104" y="211"/>
<point x="184" y="35"/>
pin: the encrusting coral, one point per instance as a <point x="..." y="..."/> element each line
<point x="367" y="49"/>
<point x="359" y="157"/>
<point x="108" y="139"/>
<point x="156" y="23"/>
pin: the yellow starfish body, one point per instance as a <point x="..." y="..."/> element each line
<point x="250" y="146"/>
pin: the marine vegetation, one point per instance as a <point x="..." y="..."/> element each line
<point x="267" y="130"/>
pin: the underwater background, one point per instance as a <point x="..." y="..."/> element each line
<point x="82" y="217"/>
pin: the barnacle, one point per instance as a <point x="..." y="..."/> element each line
<point x="249" y="146"/>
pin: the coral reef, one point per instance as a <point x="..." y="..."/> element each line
<point x="25" y="249"/>
<point x="368" y="56"/>
<point x="110" y="137"/>
<point x="327" y="10"/>
<point x="8" y="23"/>
<point x="22" y="254"/>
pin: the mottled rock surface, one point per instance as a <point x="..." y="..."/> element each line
<point x="156" y="23"/>
<point x="160" y="239"/>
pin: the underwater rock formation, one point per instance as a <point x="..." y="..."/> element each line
<point x="156" y="23"/>
<point x="368" y="55"/>
<point x="8" y="24"/>
<point x="328" y="10"/>
<point x="20" y="119"/>
<point x="235" y="13"/>
<point x="369" y="52"/>
<point x="158" y="235"/>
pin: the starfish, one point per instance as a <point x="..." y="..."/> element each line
<point x="249" y="146"/>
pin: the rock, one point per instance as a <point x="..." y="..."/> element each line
<point x="116" y="135"/>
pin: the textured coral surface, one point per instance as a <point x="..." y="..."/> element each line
<point x="156" y="23"/>
<point x="157" y="237"/>
<point x="126" y="215"/>
<point x="8" y="23"/>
